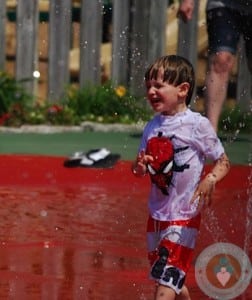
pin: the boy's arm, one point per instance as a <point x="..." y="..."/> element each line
<point x="220" y="169"/>
<point x="207" y="185"/>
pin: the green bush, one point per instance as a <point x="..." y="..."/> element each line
<point x="51" y="114"/>
<point x="233" y="119"/>
<point x="103" y="103"/>
<point x="14" y="100"/>
<point x="106" y="104"/>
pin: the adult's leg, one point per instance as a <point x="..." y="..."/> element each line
<point x="247" y="35"/>
<point x="219" y="68"/>
<point x="223" y="35"/>
<point x="249" y="61"/>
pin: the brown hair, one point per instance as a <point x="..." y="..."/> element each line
<point x="176" y="70"/>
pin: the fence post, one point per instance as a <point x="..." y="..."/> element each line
<point x="26" y="54"/>
<point x="2" y="33"/>
<point x="120" y="42"/>
<point x="187" y="40"/>
<point x="90" y="42"/>
<point x="147" y="39"/>
<point x="244" y="81"/>
<point x="157" y="28"/>
<point x="59" y="46"/>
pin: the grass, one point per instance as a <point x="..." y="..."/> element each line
<point x="63" y="144"/>
<point x="126" y="144"/>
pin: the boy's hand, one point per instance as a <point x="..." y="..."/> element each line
<point x="206" y="187"/>
<point x="204" y="191"/>
<point x="139" y="168"/>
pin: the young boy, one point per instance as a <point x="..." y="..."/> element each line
<point x="175" y="145"/>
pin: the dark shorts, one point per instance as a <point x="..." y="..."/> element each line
<point x="225" y="26"/>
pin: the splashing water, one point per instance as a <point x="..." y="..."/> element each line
<point x="248" y="230"/>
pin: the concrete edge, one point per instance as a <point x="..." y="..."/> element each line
<point x="85" y="126"/>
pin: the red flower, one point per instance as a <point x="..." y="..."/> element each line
<point x="54" y="109"/>
<point x="4" y="118"/>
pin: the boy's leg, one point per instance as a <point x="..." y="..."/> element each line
<point x="184" y="295"/>
<point x="173" y="258"/>
<point x="166" y="293"/>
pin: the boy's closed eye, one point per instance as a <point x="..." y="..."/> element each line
<point x="155" y="85"/>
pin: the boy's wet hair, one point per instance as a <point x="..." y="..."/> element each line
<point x="176" y="70"/>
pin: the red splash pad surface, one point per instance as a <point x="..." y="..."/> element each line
<point x="80" y="233"/>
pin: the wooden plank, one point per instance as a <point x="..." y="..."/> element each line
<point x="139" y="45"/>
<point x="147" y="39"/>
<point x="120" y="42"/>
<point x="74" y="63"/>
<point x="26" y="58"/>
<point x="90" y="42"/>
<point x="187" y="37"/>
<point x="11" y="3"/>
<point x="59" y="46"/>
<point x="43" y="5"/>
<point x="2" y="34"/>
<point x="157" y="29"/>
<point x="187" y="42"/>
<point x="172" y="28"/>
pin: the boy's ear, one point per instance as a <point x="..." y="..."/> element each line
<point x="183" y="89"/>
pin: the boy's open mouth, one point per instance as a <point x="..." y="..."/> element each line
<point x="155" y="101"/>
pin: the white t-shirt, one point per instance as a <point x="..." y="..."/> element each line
<point x="186" y="129"/>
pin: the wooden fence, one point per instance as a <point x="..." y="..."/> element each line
<point x="139" y="35"/>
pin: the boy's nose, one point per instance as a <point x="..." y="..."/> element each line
<point x="151" y="90"/>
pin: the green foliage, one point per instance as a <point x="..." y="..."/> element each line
<point x="233" y="119"/>
<point x="12" y="93"/>
<point x="106" y="104"/>
<point x="103" y="103"/>
<point x="51" y="114"/>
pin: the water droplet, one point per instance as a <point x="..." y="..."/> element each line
<point x="43" y="213"/>
<point x="46" y="244"/>
<point x="36" y="74"/>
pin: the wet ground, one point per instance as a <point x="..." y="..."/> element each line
<point x="80" y="233"/>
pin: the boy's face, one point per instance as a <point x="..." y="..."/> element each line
<point x="165" y="98"/>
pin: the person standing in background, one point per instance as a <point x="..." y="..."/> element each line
<point x="227" y="21"/>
